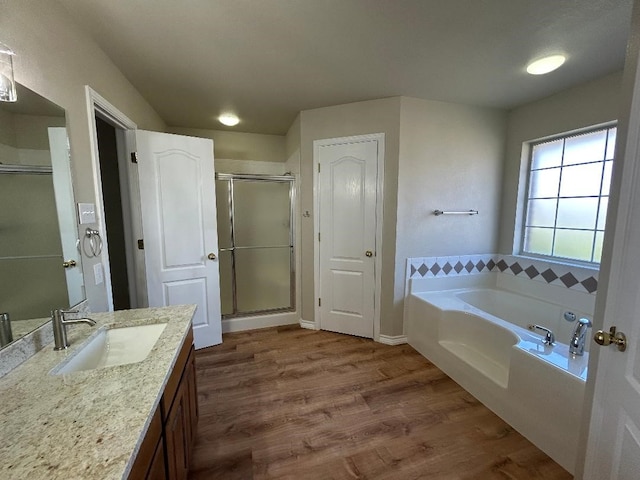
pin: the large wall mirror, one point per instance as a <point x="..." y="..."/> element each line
<point x="39" y="249"/>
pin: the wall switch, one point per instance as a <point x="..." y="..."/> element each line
<point x="87" y="213"/>
<point x="98" y="273"/>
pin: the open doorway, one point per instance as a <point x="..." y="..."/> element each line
<point x="115" y="200"/>
<point x="118" y="204"/>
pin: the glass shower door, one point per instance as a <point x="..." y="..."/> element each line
<point x="256" y="257"/>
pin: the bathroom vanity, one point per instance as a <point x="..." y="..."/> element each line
<point x="166" y="448"/>
<point x="136" y="420"/>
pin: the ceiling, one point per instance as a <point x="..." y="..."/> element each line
<point x="266" y="60"/>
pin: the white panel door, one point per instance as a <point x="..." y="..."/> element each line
<point x="613" y="448"/>
<point x="347" y="202"/>
<point x="177" y="194"/>
<point x="65" y="205"/>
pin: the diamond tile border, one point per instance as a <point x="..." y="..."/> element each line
<point x="566" y="276"/>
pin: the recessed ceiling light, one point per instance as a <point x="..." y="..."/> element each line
<point x="546" y="64"/>
<point x="229" y="119"/>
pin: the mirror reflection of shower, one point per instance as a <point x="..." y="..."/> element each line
<point x="255" y="235"/>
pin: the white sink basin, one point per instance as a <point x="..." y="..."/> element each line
<point x="114" y="346"/>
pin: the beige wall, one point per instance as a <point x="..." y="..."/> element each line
<point x="240" y="146"/>
<point x="376" y="116"/>
<point x="450" y="159"/>
<point x="292" y="139"/>
<point x="56" y="58"/>
<point x="7" y="129"/>
<point x="436" y="154"/>
<point x="32" y="130"/>
<point x="27" y="131"/>
<point x="588" y="104"/>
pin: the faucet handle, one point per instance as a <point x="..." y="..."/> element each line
<point x="549" y="337"/>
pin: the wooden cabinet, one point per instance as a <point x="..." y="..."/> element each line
<point x="165" y="452"/>
<point x="192" y="388"/>
<point x="179" y="426"/>
<point x="151" y="445"/>
<point x="158" y="468"/>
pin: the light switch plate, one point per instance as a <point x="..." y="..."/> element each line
<point x="98" y="273"/>
<point x="87" y="213"/>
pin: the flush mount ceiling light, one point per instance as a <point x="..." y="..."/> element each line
<point x="546" y="64"/>
<point x="7" y="82"/>
<point x="229" y="119"/>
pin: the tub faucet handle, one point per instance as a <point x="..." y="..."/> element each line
<point x="549" y="337"/>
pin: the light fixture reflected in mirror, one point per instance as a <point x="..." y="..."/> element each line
<point x="7" y="82"/>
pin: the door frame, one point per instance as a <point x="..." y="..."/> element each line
<point x="259" y="177"/>
<point x="98" y="105"/>
<point x="379" y="137"/>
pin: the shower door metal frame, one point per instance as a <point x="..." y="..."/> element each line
<point x="232" y="178"/>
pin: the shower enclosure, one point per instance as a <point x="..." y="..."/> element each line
<point x="255" y="235"/>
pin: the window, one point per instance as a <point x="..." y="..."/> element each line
<point x="568" y="195"/>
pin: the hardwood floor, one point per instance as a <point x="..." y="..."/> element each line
<point x="288" y="403"/>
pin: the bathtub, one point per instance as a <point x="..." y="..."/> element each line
<point x="479" y="337"/>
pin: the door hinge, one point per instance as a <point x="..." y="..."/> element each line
<point x="134" y="157"/>
<point x="140" y="244"/>
<point x="318" y="236"/>
<point x="318" y="168"/>
<point x="319" y="302"/>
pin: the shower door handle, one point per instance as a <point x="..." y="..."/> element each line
<point x="212" y="256"/>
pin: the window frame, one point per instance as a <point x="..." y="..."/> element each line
<point x="521" y="231"/>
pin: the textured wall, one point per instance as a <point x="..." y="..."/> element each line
<point x="450" y="159"/>
<point x="375" y="116"/>
<point x="56" y="58"/>
<point x="588" y="104"/>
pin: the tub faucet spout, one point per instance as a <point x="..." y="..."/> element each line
<point x="549" y="337"/>
<point x="578" y="339"/>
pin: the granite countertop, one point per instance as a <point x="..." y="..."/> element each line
<point x="86" y="424"/>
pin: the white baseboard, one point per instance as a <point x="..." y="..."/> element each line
<point x="309" y="325"/>
<point x="389" y="340"/>
<point x="240" y="324"/>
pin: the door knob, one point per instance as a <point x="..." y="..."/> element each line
<point x="618" y="339"/>
<point x="211" y="256"/>
<point x="369" y="253"/>
<point x="69" y="264"/>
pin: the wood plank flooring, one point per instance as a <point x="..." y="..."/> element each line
<point x="288" y="403"/>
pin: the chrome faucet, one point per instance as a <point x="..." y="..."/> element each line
<point x="60" y="327"/>
<point x="549" y="337"/>
<point x="578" y="339"/>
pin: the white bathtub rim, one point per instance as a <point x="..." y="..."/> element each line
<point x="557" y="356"/>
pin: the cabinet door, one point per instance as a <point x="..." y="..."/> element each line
<point x="176" y="431"/>
<point x="148" y="452"/>
<point x="157" y="470"/>
<point x="190" y="378"/>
